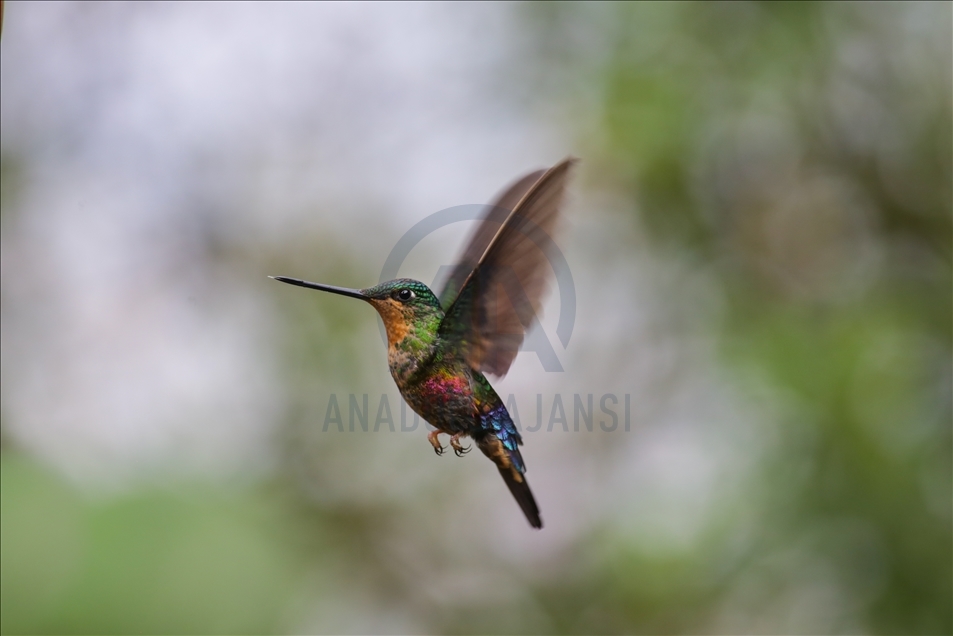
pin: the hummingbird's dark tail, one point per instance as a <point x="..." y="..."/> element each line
<point x="524" y="497"/>
<point x="515" y="480"/>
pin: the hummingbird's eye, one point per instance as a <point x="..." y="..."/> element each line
<point x="404" y="295"/>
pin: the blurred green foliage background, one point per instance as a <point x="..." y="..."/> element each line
<point x="761" y="239"/>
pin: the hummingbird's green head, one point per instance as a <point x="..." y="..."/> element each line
<point x="405" y="305"/>
<point x="406" y="291"/>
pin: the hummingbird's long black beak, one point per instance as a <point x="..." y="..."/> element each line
<point x="344" y="291"/>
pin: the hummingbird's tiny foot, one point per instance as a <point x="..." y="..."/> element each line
<point x="458" y="449"/>
<point x="435" y="442"/>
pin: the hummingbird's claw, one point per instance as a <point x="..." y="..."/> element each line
<point x="435" y="442"/>
<point x="458" y="449"/>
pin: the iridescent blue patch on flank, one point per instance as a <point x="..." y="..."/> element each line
<point x="499" y="423"/>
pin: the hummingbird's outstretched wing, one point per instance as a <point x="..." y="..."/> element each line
<point x="501" y="289"/>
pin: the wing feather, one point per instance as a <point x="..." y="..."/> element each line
<point x="496" y="213"/>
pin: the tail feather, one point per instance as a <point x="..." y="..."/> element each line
<point x="524" y="497"/>
<point x="509" y="463"/>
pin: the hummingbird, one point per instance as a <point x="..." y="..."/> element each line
<point x="441" y="346"/>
